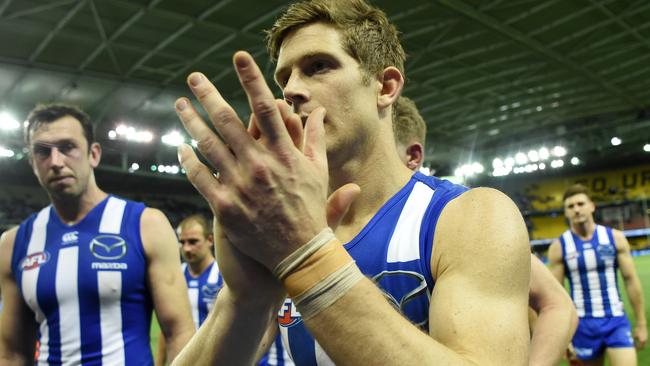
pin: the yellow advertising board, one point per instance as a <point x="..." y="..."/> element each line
<point x="632" y="183"/>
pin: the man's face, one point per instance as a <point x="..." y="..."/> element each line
<point x="313" y="71"/>
<point x="578" y="208"/>
<point x="60" y="158"/>
<point x="195" y="247"/>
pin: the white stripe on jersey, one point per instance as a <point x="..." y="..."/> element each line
<point x="67" y="296"/>
<point x="574" y="272"/>
<point x="404" y="245"/>
<point x="595" y="294"/>
<point x="603" y="238"/>
<point x="30" y="278"/>
<point x="321" y="357"/>
<point x="194" y="303"/>
<point x="111" y="222"/>
<point x="615" y="302"/>
<point x="109" y="286"/>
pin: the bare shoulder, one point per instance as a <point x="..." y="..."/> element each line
<point x="6" y="248"/>
<point x="155" y="230"/>
<point x="480" y="225"/>
<point x="620" y="240"/>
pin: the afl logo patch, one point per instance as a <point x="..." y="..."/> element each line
<point x="210" y="290"/>
<point x="288" y="316"/>
<point x="108" y="247"/>
<point x="34" y="260"/>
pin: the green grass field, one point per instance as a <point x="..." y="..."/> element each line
<point x="642" y="267"/>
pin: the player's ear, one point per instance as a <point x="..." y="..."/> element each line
<point x="95" y="154"/>
<point x="415" y="156"/>
<point x="391" y="85"/>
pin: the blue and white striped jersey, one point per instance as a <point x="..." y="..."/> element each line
<point x="86" y="284"/>
<point x="591" y="268"/>
<point x="394" y="250"/>
<point x="202" y="291"/>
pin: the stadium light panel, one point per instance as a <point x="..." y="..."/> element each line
<point x="8" y="122"/>
<point x="616" y="141"/>
<point x="6" y="153"/>
<point x="173" y="138"/>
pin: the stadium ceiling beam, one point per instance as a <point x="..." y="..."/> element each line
<point x="41" y="47"/>
<point x="223" y="42"/>
<point x="590" y="29"/>
<point x="102" y="34"/>
<point x="4" y="6"/>
<point x="629" y="30"/>
<point x="179" y="32"/>
<point x="123" y="27"/>
<point x="35" y="9"/>
<point x="183" y="17"/>
<point x="409" y="12"/>
<point x="607" y="40"/>
<point x="208" y="51"/>
<point x="536" y="46"/>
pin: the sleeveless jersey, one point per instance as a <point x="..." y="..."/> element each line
<point x="394" y="250"/>
<point x="203" y="290"/>
<point x="86" y="285"/>
<point x="591" y="268"/>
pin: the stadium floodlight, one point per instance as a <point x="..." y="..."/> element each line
<point x="478" y="168"/>
<point x="8" y="122"/>
<point x="153" y="168"/>
<point x="557" y="163"/>
<point x="543" y="153"/>
<point x="161" y="168"/>
<point x="174" y="169"/>
<point x="112" y="134"/>
<point x="646" y="147"/>
<point x="173" y="138"/>
<point x="616" y="141"/>
<point x="541" y="166"/>
<point x="521" y="158"/>
<point x="533" y="156"/>
<point x="497" y="163"/>
<point x="194" y="143"/>
<point x="559" y="151"/>
<point x="135" y="166"/>
<point x="6" y="153"/>
<point x="509" y="161"/>
<point x="575" y="160"/>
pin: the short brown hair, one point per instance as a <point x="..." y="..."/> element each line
<point x="198" y="219"/>
<point x="367" y="35"/>
<point x="408" y="124"/>
<point x="575" y="189"/>
<point x="48" y="113"/>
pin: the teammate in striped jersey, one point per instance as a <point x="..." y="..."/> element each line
<point x="555" y="318"/>
<point x="83" y="274"/>
<point x="463" y="279"/>
<point x="589" y="255"/>
<point x="204" y="282"/>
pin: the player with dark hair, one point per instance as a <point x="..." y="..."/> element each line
<point x="83" y="274"/>
<point x="590" y="255"/>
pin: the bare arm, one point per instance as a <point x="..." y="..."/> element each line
<point x="230" y="334"/>
<point x="556" y="265"/>
<point x="161" y="354"/>
<point x="478" y="310"/>
<point x="632" y="287"/>
<point x="168" y="288"/>
<point x="17" y="326"/>
<point x="557" y="318"/>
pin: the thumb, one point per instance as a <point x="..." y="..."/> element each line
<point x="339" y="203"/>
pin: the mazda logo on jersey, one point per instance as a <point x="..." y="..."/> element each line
<point x="34" y="260"/>
<point x="109" y="247"/>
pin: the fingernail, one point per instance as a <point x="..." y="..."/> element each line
<point x="195" y="79"/>
<point x="241" y="61"/>
<point x="181" y="104"/>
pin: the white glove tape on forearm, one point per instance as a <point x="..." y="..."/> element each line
<point x="295" y="259"/>
<point x="327" y="291"/>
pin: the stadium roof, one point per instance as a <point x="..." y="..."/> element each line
<point x="491" y="78"/>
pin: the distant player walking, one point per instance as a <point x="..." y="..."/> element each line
<point x="590" y="255"/>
